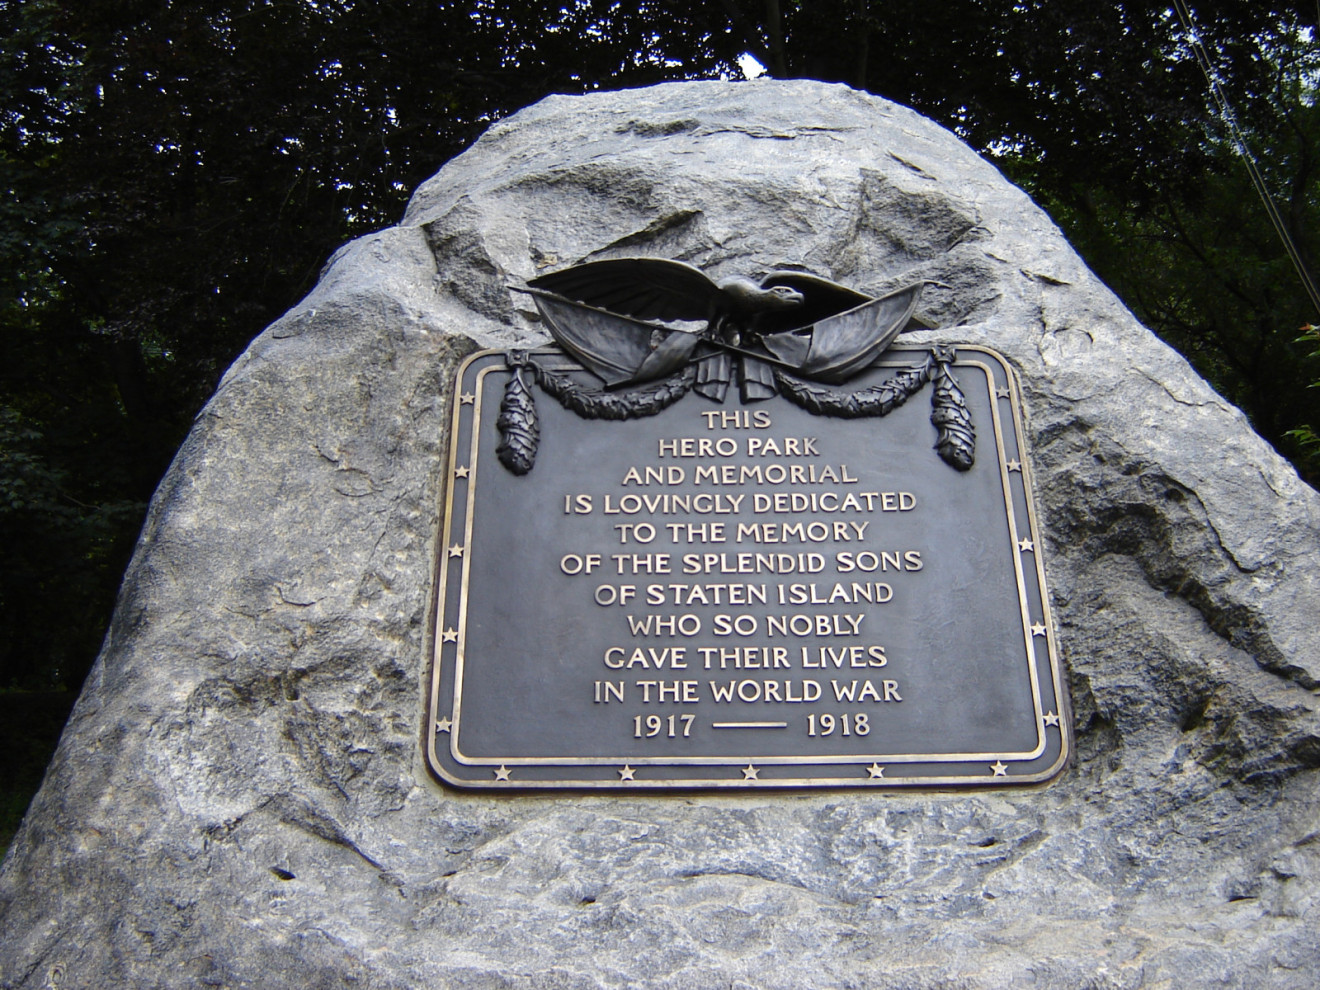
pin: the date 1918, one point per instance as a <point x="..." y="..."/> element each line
<point x="845" y="724"/>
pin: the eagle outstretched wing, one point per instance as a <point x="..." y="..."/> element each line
<point x="838" y="345"/>
<point x="643" y="288"/>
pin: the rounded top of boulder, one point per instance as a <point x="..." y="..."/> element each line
<point x="738" y="179"/>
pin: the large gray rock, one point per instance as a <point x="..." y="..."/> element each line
<point x="239" y="798"/>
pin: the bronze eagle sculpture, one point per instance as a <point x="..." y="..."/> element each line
<point x="618" y="319"/>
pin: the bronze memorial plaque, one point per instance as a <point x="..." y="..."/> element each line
<point x="640" y="588"/>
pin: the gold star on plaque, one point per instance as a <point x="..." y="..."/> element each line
<point x="467" y="398"/>
<point x="627" y="773"/>
<point x="1026" y="545"/>
<point x="450" y="635"/>
<point x="456" y="550"/>
<point x="750" y="772"/>
<point x="876" y="771"/>
<point x="1001" y="392"/>
<point x="1038" y="629"/>
<point x="1050" y="718"/>
<point x="502" y="773"/>
<point x="461" y="472"/>
<point x="444" y="725"/>
<point x="999" y="768"/>
<point x="1014" y="465"/>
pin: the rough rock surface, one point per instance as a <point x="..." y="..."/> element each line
<point x="239" y="798"/>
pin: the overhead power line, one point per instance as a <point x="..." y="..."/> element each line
<point x="1240" y="142"/>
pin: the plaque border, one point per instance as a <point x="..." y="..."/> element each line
<point x="445" y="719"/>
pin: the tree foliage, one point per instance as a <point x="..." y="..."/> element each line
<point x="174" y="174"/>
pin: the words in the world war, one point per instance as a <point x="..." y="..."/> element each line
<point x="638" y="589"/>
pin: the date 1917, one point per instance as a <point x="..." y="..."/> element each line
<point x="650" y="726"/>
